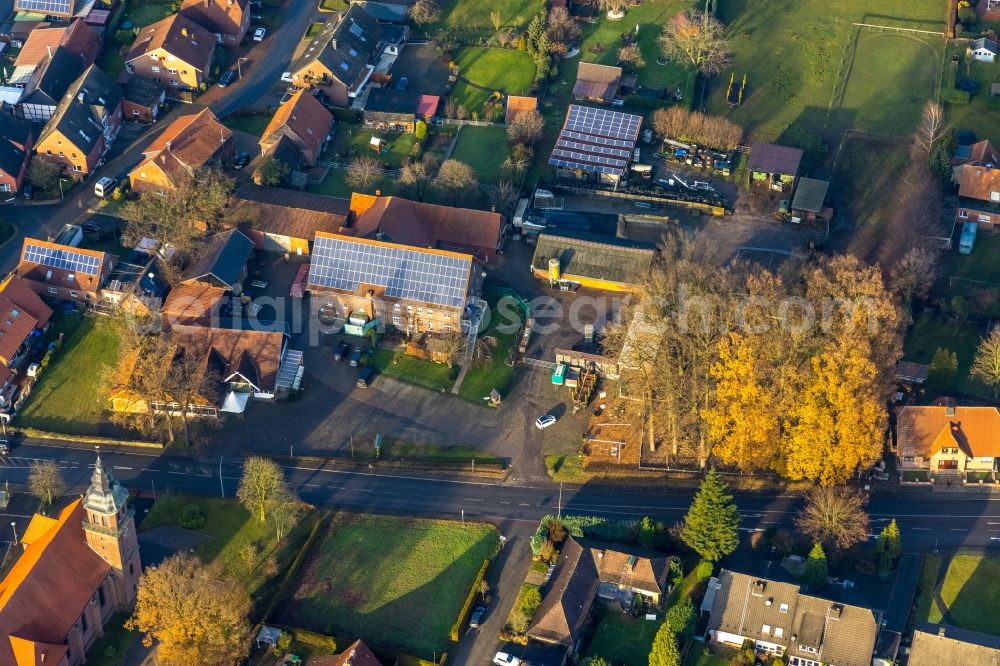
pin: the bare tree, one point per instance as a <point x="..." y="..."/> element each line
<point x="44" y="174"/>
<point x="914" y="274"/>
<point x="986" y="366"/>
<point x="678" y="123"/>
<point x="932" y="127"/>
<point x="518" y="161"/>
<point x="562" y="28"/>
<point x="835" y="517"/>
<point x="262" y="486"/>
<point x="612" y="6"/>
<point x="697" y="39"/>
<point x="504" y="195"/>
<point x="45" y="481"/>
<point x="525" y="128"/>
<point x="631" y="55"/>
<point x="424" y="12"/>
<point x="415" y="176"/>
<point x="363" y="171"/>
<point x="457" y="178"/>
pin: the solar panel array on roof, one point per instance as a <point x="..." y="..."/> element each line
<point x="45" y="6"/>
<point x="427" y="277"/>
<point x="77" y="262"/>
<point x="597" y="140"/>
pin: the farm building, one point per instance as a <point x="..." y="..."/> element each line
<point x="392" y="110"/>
<point x="807" y="204"/>
<point x="595" y="144"/>
<point x="597" y="83"/>
<point x="984" y="49"/>
<point x="774" y="166"/>
<point x="287" y="221"/>
<point x="564" y="256"/>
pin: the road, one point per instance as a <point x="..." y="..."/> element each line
<point x="265" y="64"/>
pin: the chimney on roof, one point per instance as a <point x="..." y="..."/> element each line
<point x="49" y="48"/>
<point x="378" y="193"/>
<point x="184" y="32"/>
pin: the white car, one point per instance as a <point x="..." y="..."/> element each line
<point x="504" y="659"/>
<point x="258" y="34"/>
<point x="286" y="77"/>
<point x="544" y="421"/>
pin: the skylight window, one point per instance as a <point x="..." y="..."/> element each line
<point x="356" y="29"/>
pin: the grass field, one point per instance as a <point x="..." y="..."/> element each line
<point x="392" y="581"/>
<point x="982" y="113"/>
<point x="474" y="15"/>
<point x="494" y="69"/>
<point x="982" y="265"/>
<point x="927" y="334"/>
<point x="251" y="124"/>
<point x="434" y="453"/>
<point x="232" y="529"/>
<point x="971" y="584"/>
<point x="622" y="639"/>
<point x="411" y="369"/>
<point x="353" y="141"/>
<point x="484" y="149"/>
<point x="479" y="381"/>
<point x="791" y="53"/>
<point x="71" y="395"/>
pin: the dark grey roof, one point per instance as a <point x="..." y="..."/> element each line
<point x="60" y="71"/>
<point x="810" y="194"/>
<point x="86" y="102"/>
<point x="771" y="158"/>
<point x="222" y="260"/>
<point x="14" y="132"/>
<point x="277" y="196"/>
<point x="143" y="91"/>
<point x="391" y="100"/>
<point x="984" y="43"/>
<point x="340" y="49"/>
<point x="593" y="256"/>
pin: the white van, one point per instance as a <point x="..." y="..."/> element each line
<point x="104" y="186"/>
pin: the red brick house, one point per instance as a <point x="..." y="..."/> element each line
<point x="298" y="132"/>
<point x="978" y="196"/>
<point x="228" y="19"/>
<point x="16" y="141"/>
<point x="64" y="272"/>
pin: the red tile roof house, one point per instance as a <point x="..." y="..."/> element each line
<point x="22" y="313"/>
<point x="948" y="439"/>
<point x="298" y="132"/>
<point x="175" y="50"/>
<point x="228" y="19"/>
<point x="17" y="138"/>
<point x="188" y="144"/>
<point x="396" y="220"/>
<point x="63" y="272"/>
<point x="75" y="570"/>
<point x="978" y="196"/>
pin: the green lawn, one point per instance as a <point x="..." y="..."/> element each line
<point x="474" y="15"/>
<point x="927" y="334"/>
<point x="982" y="113"/>
<point x="232" y="529"/>
<point x="251" y="124"/>
<point x="392" y="581"/>
<point x="314" y="29"/>
<point x="701" y="655"/>
<point x="791" y="53"/>
<point x="353" y="141"/>
<point x="600" y="43"/>
<point x="503" y="327"/>
<point x="71" y="395"/>
<point x="110" y="649"/>
<point x="484" y="149"/>
<point x="566" y="468"/>
<point x="982" y="265"/>
<point x="623" y="640"/>
<point x="915" y="475"/>
<point x="397" y="449"/>
<point x="143" y="12"/>
<point x="504" y="70"/>
<point x="971" y="584"/>
<point x="411" y="369"/>
<point x="925" y="610"/>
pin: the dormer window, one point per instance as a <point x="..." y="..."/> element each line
<point x="344" y="66"/>
<point x="356" y="29"/>
<point x="14" y="313"/>
<point x="353" y="52"/>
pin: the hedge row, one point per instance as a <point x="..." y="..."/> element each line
<point x="292" y="571"/>
<point x="591" y="527"/>
<point x="468" y="601"/>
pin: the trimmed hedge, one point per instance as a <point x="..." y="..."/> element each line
<point x="955" y="96"/>
<point x="591" y="527"/>
<point x="313" y="639"/>
<point x="468" y="601"/>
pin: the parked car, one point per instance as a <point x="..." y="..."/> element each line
<point x="4" y="447"/>
<point x="477" y="618"/>
<point x="91" y="227"/>
<point x="286" y="77"/>
<point x="258" y="34"/>
<point x="241" y="160"/>
<point x="504" y="659"/>
<point x="365" y="378"/>
<point x="104" y="186"/>
<point x="544" y="421"/>
<point x="341" y="351"/>
<point x="356" y="357"/>
<point x="968" y="238"/>
<point x="227" y="77"/>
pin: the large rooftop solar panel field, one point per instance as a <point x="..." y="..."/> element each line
<point x="597" y="140"/>
<point x="427" y="277"/>
<point x="78" y="262"/>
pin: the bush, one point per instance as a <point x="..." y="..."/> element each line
<point x="314" y="640"/>
<point x="191" y="517"/>
<point x="955" y="96"/>
<point x="110" y="652"/>
<point x="704" y="570"/>
<point x="468" y="601"/>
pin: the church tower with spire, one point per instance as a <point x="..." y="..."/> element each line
<point x="110" y="530"/>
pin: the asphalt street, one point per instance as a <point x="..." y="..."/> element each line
<point x="927" y="520"/>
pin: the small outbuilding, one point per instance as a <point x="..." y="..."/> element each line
<point x="773" y="166"/>
<point x="597" y="83"/>
<point x="984" y="49"/>
<point x="808" y="201"/>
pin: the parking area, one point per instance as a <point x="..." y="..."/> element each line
<point x="421" y="64"/>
